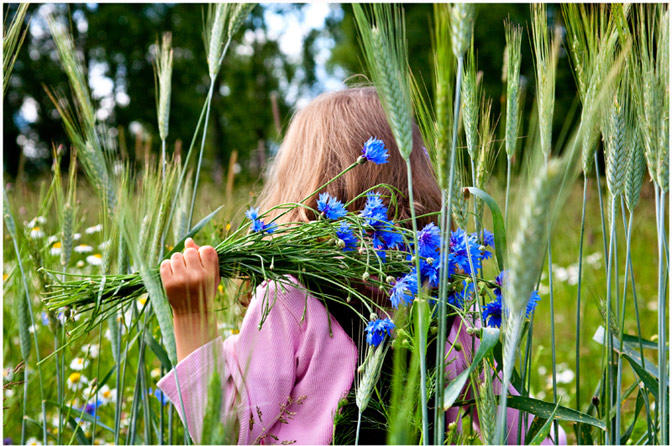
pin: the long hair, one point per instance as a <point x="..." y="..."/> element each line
<point x="327" y="136"/>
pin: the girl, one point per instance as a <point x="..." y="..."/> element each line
<point x="286" y="381"/>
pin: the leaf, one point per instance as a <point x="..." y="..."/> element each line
<point x="161" y="307"/>
<point x="650" y="382"/>
<point x="627" y="350"/>
<point x="545" y="429"/>
<point x="498" y="228"/>
<point x="489" y="338"/>
<point x="537" y="423"/>
<point x="638" y="407"/>
<point x="158" y="350"/>
<point x="180" y="245"/>
<point x="545" y="410"/>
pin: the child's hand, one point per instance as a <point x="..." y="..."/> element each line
<point x="191" y="280"/>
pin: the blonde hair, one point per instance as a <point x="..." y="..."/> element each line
<point x="327" y="136"/>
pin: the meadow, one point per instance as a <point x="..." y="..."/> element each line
<point x="578" y="218"/>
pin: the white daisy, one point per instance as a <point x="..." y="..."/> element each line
<point x="83" y="248"/>
<point x="94" y="229"/>
<point x="76" y="381"/>
<point x="9" y="393"/>
<point x="56" y="249"/>
<point x="91" y="350"/>
<point x="80" y="264"/>
<point x="39" y="220"/>
<point x="95" y="259"/>
<point x="36" y="233"/>
<point x="107" y="395"/>
<point x="51" y="239"/>
<point x="32" y="441"/>
<point x="79" y="363"/>
<point x="155" y="373"/>
<point x="32" y="328"/>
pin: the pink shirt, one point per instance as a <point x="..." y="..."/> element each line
<point x="284" y="382"/>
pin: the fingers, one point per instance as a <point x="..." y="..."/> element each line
<point x="193" y="260"/>
<point x="189" y="243"/>
<point x="165" y="270"/>
<point x="178" y="264"/>
<point x="209" y="259"/>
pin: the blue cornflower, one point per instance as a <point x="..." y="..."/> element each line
<point x="493" y="310"/>
<point x="386" y="236"/>
<point x="429" y="241"/>
<point x="374" y="150"/>
<point x="461" y="249"/>
<point x="45" y="318"/>
<point x="332" y="208"/>
<point x="375" y="212"/>
<point x="163" y="399"/>
<point x="532" y="303"/>
<point x="404" y="289"/>
<point x="488" y="238"/>
<point x="492" y="313"/>
<point x="377" y="329"/>
<point x="347" y="235"/>
<point x="252" y="213"/>
<point x="91" y="408"/>
<point x="429" y="244"/>
<point x="259" y="225"/>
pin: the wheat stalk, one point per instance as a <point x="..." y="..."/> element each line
<point x="12" y="42"/>
<point x="462" y="26"/>
<point x="512" y="53"/>
<point x="524" y="267"/>
<point x="546" y="61"/>
<point x="470" y="96"/>
<point x="385" y="51"/>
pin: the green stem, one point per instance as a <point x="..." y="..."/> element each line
<point x="119" y="382"/>
<point x="421" y="328"/>
<point x="552" y="316"/>
<point x="662" y="305"/>
<point x="599" y="195"/>
<point x="608" y="342"/>
<point x="183" y="174"/>
<point x="359" y="423"/>
<point x="636" y="305"/>
<point x="578" y="298"/>
<point x="446" y="207"/>
<point x="200" y="153"/>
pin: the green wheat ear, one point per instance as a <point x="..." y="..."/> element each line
<point x="546" y="61"/>
<point x="461" y="25"/>
<point x="163" y="68"/>
<point x="12" y="42"/>
<point x="470" y="96"/>
<point x="386" y="55"/>
<point x="512" y="55"/>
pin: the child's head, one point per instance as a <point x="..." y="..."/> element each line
<point x="326" y="137"/>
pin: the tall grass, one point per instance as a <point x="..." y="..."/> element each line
<point x="624" y="99"/>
